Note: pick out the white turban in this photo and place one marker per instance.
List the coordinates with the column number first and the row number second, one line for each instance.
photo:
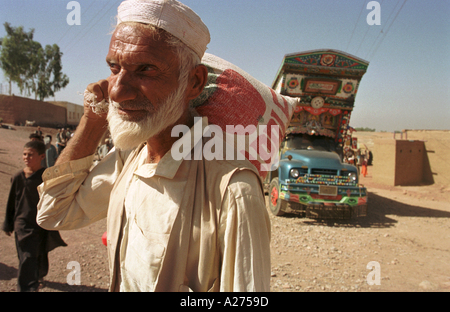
column 170, row 15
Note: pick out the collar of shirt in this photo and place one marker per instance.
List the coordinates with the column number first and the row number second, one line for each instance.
column 168, row 166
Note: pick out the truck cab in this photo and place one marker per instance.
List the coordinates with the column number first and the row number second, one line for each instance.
column 311, row 177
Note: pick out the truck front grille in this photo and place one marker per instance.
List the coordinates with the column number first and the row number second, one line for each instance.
column 324, row 171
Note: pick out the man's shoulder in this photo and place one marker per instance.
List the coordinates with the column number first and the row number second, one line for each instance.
column 233, row 172
column 228, row 166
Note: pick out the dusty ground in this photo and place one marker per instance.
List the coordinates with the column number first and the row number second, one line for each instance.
column 407, row 232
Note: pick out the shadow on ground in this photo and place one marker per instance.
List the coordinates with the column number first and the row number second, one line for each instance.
column 378, row 211
column 9, row 273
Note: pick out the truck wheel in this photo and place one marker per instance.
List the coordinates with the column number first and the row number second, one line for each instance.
column 276, row 205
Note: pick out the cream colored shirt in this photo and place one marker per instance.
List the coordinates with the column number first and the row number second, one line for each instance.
column 227, row 244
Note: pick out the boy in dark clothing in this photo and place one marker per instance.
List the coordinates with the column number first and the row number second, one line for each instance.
column 32, row 242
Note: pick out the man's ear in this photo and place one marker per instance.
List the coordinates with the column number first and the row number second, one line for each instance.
column 197, row 81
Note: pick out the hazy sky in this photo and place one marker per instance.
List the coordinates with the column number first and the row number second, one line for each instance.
column 406, row 85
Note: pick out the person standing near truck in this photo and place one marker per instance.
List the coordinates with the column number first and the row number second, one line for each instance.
column 173, row 225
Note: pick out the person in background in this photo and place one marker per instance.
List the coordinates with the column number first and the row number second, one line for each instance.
column 50, row 153
column 36, row 137
column 39, row 132
column 32, row 242
column 60, row 141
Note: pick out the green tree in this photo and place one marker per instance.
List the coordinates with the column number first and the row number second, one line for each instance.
column 15, row 56
column 48, row 78
column 34, row 69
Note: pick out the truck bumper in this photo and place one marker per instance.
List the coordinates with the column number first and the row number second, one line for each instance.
column 335, row 211
column 350, row 202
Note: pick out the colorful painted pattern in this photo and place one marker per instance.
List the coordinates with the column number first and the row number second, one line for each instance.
column 304, row 198
column 322, row 179
column 330, row 59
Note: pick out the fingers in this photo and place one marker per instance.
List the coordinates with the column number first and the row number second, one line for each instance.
column 100, row 89
column 94, row 105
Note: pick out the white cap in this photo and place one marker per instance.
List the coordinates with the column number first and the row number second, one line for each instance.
column 170, row 15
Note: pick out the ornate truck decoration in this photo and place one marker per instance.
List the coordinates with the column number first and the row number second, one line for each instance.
column 311, row 177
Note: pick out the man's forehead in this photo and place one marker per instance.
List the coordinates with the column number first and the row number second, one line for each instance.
column 136, row 44
column 140, row 44
column 129, row 38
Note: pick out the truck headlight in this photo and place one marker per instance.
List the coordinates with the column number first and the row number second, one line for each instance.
column 353, row 176
column 294, row 173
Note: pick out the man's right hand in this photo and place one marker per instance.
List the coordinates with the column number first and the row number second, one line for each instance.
column 91, row 128
column 100, row 90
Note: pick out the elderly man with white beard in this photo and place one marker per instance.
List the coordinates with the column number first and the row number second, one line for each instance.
column 172, row 225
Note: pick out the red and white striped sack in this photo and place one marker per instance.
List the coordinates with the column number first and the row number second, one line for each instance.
column 246, row 110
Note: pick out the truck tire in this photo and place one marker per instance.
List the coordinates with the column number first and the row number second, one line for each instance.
column 277, row 206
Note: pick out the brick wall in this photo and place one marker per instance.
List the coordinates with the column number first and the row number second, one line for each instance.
column 16, row 110
column 409, row 162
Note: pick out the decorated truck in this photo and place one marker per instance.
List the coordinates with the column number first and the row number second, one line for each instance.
column 311, row 177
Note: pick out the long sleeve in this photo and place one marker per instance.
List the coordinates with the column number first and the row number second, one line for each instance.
column 73, row 196
column 245, row 237
column 8, row 224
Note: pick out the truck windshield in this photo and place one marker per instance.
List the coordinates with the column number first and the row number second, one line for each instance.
column 305, row 141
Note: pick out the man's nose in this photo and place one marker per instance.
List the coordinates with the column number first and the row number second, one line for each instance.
column 121, row 87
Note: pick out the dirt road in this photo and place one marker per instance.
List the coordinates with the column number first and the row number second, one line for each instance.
column 406, row 234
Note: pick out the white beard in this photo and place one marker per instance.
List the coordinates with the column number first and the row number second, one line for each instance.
column 127, row 135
